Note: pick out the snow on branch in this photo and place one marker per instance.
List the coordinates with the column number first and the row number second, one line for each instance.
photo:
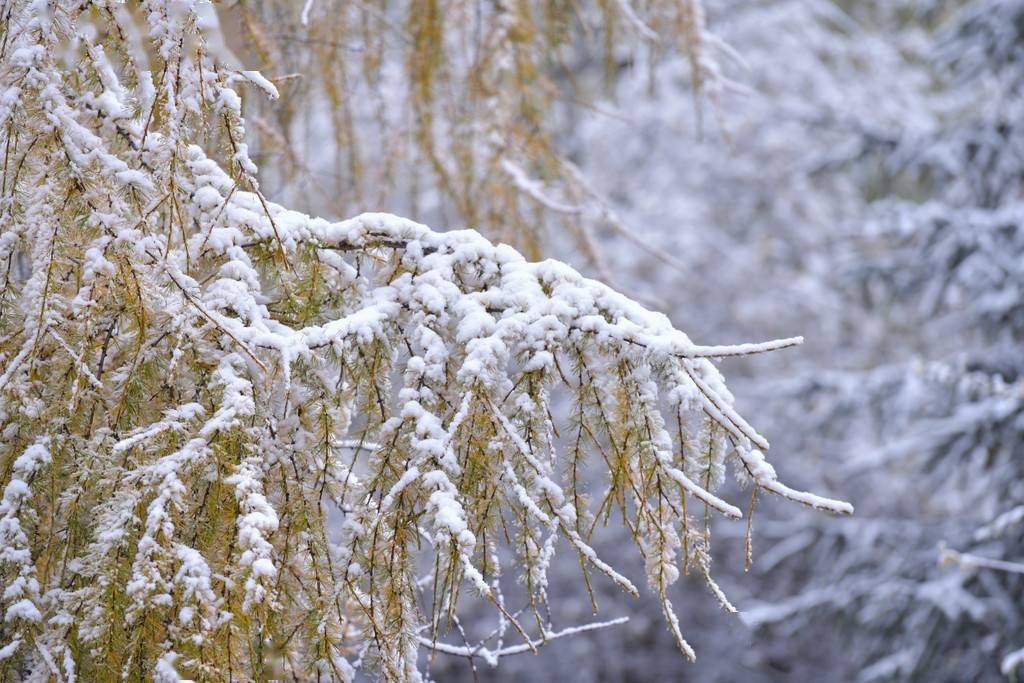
column 970, row 561
column 229, row 427
column 492, row 656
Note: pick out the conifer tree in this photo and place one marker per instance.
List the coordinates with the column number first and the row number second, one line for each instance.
column 241, row 442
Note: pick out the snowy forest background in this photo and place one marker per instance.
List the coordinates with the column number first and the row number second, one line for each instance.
column 849, row 171
column 853, row 174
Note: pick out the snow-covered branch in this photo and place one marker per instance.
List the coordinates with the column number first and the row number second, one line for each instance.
column 228, row 426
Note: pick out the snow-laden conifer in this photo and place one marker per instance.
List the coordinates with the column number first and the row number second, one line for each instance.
column 241, row 442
